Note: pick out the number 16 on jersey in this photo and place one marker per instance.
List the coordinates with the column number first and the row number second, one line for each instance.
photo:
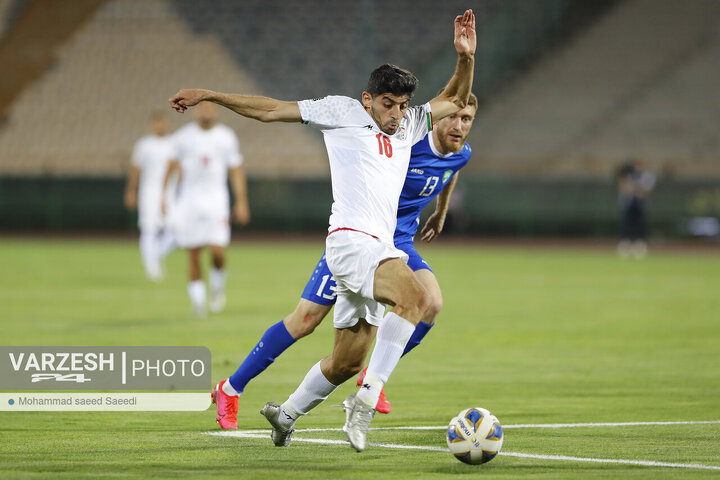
column 384, row 145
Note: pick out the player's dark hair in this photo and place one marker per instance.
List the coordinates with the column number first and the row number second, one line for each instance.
column 392, row 79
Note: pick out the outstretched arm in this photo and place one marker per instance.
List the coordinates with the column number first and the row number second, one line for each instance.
column 260, row 108
column 436, row 221
column 455, row 95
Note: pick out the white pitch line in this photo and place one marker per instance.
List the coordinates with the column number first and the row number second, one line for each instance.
column 505, row 427
column 643, row 463
column 325, row 441
column 616, row 424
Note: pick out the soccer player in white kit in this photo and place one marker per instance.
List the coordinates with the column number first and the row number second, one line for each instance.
column 143, row 190
column 368, row 148
column 207, row 155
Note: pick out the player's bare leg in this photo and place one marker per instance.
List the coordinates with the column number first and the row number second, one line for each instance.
column 351, row 347
column 427, row 279
column 305, row 318
column 217, row 279
column 196, row 287
column 349, row 352
column 395, row 284
column 429, row 282
column 383, row 404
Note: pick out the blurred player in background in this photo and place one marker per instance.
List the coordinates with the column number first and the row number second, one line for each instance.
column 635, row 183
column 368, row 147
column 207, row 155
column 143, row 191
column 432, row 172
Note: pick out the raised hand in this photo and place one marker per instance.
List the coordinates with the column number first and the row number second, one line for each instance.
column 465, row 40
column 241, row 213
column 187, row 98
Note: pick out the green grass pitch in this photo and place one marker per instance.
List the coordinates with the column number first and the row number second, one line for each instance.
column 537, row 336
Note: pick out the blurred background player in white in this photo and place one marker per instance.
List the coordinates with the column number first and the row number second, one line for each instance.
column 207, row 155
column 143, row 191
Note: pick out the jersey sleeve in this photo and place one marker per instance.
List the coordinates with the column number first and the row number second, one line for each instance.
column 233, row 155
column 419, row 122
column 326, row 113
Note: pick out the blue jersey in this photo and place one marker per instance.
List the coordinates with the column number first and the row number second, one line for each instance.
column 428, row 173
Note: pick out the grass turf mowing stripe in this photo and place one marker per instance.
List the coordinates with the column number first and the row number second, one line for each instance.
column 641, row 463
column 505, row 427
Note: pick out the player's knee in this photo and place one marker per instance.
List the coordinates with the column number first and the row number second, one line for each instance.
column 422, row 300
column 309, row 321
column 302, row 322
column 218, row 260
column 414, row 303
column 433, row 309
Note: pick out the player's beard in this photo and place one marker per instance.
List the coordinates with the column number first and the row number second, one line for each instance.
column 450, row 146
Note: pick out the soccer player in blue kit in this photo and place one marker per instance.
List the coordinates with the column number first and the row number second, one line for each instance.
column 432, row 173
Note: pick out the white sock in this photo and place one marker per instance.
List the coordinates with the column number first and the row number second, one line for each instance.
column 148, row 252
column 166, row 243
column 228, row 389
column 217, row 279
column 392, row 336
column 288, row 415
column 313, row 390
column 197, row 293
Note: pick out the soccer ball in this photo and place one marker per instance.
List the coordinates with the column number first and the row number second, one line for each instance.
column 474, row 436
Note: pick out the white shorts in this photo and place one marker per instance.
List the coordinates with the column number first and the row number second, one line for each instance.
column 352, row 258
column 195, row 230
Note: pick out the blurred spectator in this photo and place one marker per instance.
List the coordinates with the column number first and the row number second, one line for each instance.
column 635, row 183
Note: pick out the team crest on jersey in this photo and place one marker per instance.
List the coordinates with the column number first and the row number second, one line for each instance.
column 447, row 175
column 402, row 133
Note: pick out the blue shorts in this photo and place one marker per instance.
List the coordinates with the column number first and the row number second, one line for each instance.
column 322, row 289
column 415, row 261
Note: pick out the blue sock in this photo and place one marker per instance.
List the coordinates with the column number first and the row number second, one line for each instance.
column 421, row 330
column 274, row 342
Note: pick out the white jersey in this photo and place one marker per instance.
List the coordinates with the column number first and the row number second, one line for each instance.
column 151, row 155
column 204, row 157
column 368, row 167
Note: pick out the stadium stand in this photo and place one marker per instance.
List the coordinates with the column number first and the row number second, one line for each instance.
column 634, row 80
column 639, row 82
column 5, row 13
column 328, row 46
column 84, row 115
column 24, row 54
